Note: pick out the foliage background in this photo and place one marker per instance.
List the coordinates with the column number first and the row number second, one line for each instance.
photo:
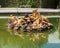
column 32, row 3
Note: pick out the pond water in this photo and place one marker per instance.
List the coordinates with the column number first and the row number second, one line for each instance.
column 45, row 39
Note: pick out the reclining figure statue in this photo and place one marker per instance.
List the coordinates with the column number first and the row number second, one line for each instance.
column 33, row 21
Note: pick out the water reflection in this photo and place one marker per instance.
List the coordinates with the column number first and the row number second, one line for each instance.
column 54, row 37
column 35, row 40
column 29, row 40
column 51, row 45
column 59, row 28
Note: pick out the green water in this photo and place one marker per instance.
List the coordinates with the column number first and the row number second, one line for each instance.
column 46, row 39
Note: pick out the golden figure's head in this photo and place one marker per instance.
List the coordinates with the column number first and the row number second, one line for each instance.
column 34, row 10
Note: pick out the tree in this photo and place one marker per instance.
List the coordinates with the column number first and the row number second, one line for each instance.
column 50, row 3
